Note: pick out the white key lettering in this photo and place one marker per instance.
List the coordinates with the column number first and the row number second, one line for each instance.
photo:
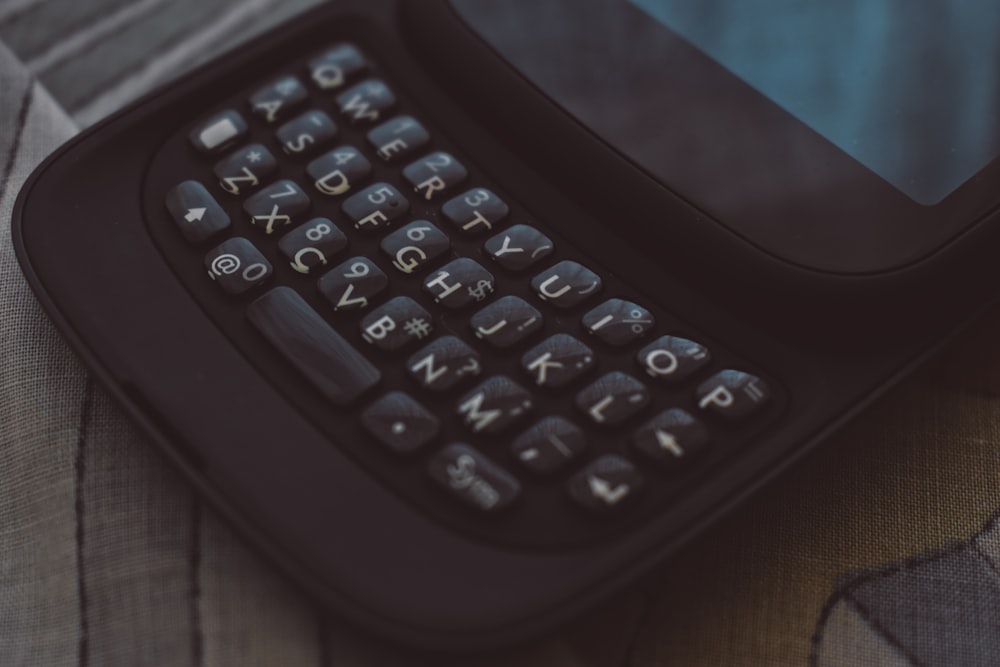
column 546, row 291
column 659, row 363
column 431, row 373
column 379, row 329
column 231, row 183
column 430, row 186
column 475, row 416
column 441, row 281
column 541, row 366
column 333, row 184
column 720, row 397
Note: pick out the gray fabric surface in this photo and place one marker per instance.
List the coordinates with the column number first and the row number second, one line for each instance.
column 41, row 402
column 96, row 56
column 106, row 557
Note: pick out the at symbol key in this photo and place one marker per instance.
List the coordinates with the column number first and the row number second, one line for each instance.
column 237, row 266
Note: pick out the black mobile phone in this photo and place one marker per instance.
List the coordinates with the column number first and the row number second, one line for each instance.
column 468, row 313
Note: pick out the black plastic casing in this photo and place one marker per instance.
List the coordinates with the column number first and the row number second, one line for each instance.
column 831, row 342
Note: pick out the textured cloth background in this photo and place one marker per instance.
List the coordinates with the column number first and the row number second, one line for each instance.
column 880, row 549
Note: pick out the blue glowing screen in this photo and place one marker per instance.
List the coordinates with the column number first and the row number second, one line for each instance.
column 909, row 88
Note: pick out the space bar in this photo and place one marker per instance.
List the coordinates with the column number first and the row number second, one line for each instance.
column 311, row 345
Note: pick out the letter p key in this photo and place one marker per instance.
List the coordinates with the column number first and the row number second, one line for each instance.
column 733, row 394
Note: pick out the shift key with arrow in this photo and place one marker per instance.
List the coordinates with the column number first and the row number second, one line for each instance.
column 196, row 213
column 671, row 439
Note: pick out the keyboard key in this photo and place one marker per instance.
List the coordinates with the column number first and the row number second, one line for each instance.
column 310, row 345
column 459, row 283
column 339, row 171
column 434, row 175
column 475, row 211
column 218, row 132
column 415, row 245
column 506, row 322
column 550, row 445
column 236, row 265
column 606, row 485
column 672, row 358
column 277, row 206
column 197, row 215
column 400, row 423
column 275, row 100
column 495, row 405
column 566, row 284
column 397, row 323
column 366, row 102
column 557, row 361
column 444, row 364
column 306, row 134
column 733, row 394
column 473, row 479
column 618, row 322
column 671, row 439
column 245, row 170
column 519, row 248
column 310, row 246
column 336, row 66
column 398, row 138
column 352, row 285
column 375, row 207
column 613, row 398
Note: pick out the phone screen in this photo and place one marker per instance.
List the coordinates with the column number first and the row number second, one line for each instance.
column 909, row 88
column 855, row 136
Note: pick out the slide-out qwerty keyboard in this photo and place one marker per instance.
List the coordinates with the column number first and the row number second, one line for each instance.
column 466, row 353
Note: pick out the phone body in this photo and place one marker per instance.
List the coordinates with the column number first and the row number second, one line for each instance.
column 398, row 541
